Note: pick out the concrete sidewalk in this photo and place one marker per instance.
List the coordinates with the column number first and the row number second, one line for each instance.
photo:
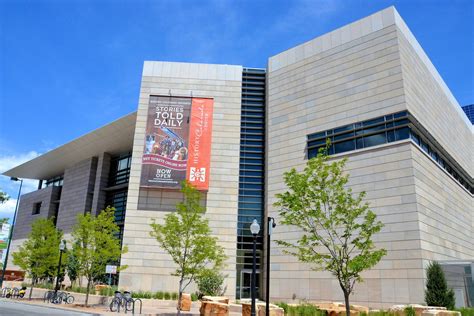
column 157, row 308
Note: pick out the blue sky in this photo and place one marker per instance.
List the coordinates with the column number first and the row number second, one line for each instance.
column 67, row 67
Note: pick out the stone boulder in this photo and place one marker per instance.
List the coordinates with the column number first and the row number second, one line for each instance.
column 438, row 312
column 186, row 302
column 212, row 308
column 219, row 299
column 399, row 310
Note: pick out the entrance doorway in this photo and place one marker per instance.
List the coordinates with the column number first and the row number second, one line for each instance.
column 246, row 283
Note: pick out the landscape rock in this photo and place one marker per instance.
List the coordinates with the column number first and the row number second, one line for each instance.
column 219, row 299
column 212, row 308
column 186, row 302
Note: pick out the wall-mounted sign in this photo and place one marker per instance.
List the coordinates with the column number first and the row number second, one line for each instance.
column 177, row 142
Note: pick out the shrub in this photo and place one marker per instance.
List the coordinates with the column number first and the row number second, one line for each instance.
column 305, row 310
column 167, row 296
column 437, row 292
column 142, row 294
column 210, row 282
column 158, row 295
column 174, row 296
column 108, row 291
column 78, row 289
column 410, row 311
column 283, row 305
column 194, row 297
column 466, row 311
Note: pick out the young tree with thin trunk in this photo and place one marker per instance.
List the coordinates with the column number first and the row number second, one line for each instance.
column 186, row 237
column 337, row 226
column 95, row 245
column 38, row 256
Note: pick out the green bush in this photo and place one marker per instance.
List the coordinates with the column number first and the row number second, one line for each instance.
column 79, row 289
column 158, row 295
column 167, row 296
column 108, row 291
column 283, row 305
column 142, row 294
column 410, row 311
column 174, row 296
column 305, row 310
column 210, row 282
column 195, row 297
column 466, row 311
column 437, row 292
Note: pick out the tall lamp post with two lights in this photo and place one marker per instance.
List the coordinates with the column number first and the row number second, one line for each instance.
column 62, row 248
column 254, row 229
column 10, row 235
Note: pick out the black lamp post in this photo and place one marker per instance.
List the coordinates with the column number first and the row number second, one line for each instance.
column 62, row 247
column 271, row 225
column 11, row 230
column 254, row 229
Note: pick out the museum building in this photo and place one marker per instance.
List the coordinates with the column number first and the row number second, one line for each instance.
column 233, row 131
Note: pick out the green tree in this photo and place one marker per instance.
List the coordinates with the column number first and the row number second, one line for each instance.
column 3, row 221
column 3, row 197
column 72, row 266
column 186, row 237
column 38, row 256
column 96, row 245
column 337, row 226
column 437, row 292
column 210, row 282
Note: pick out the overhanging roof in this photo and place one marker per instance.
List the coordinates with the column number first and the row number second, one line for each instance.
column 113, row 138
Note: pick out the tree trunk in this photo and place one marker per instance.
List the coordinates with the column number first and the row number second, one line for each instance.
column 87, row 291
column 180, row 294
column 31, row 291
column 346, row 299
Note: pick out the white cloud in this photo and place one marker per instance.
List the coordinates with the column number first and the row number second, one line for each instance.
column 8, row 162
column 7, row 209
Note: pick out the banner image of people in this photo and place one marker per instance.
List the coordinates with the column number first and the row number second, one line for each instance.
column 177, row 142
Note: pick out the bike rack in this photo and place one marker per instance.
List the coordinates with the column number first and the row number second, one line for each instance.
column 5, row 291
column 134, row 301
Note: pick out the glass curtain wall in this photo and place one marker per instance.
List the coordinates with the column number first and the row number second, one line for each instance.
column 251, row 180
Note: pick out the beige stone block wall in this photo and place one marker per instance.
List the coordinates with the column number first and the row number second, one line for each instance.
column 367, row 69
column 432, row 104
column 149, row 267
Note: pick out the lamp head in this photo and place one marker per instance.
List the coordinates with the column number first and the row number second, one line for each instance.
column 254, row 227
column 14, row 179
column 62, row 245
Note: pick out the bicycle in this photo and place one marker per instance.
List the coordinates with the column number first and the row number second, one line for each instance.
column 124, row 300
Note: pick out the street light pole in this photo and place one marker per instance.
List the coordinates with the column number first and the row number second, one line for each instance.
column 62, row 247
column 271, row 225
column 254, row 229
column 11, row 230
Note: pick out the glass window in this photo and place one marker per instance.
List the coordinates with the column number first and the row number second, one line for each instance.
column 400, row 114
column 374, row 140
column 344, row 128
column 344, row 136
column 402, row 133
column 390, row 136
column 373, row 121
column 36, row 208
column 344, row 146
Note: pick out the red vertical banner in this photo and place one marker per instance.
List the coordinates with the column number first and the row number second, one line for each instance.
column 200, row 133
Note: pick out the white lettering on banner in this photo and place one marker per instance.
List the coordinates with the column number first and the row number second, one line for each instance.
column 169, row 116
column 198, row 135
column 163, row 173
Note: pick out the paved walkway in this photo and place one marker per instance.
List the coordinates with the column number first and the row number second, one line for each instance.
column 16, row 308
column 19, row 307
